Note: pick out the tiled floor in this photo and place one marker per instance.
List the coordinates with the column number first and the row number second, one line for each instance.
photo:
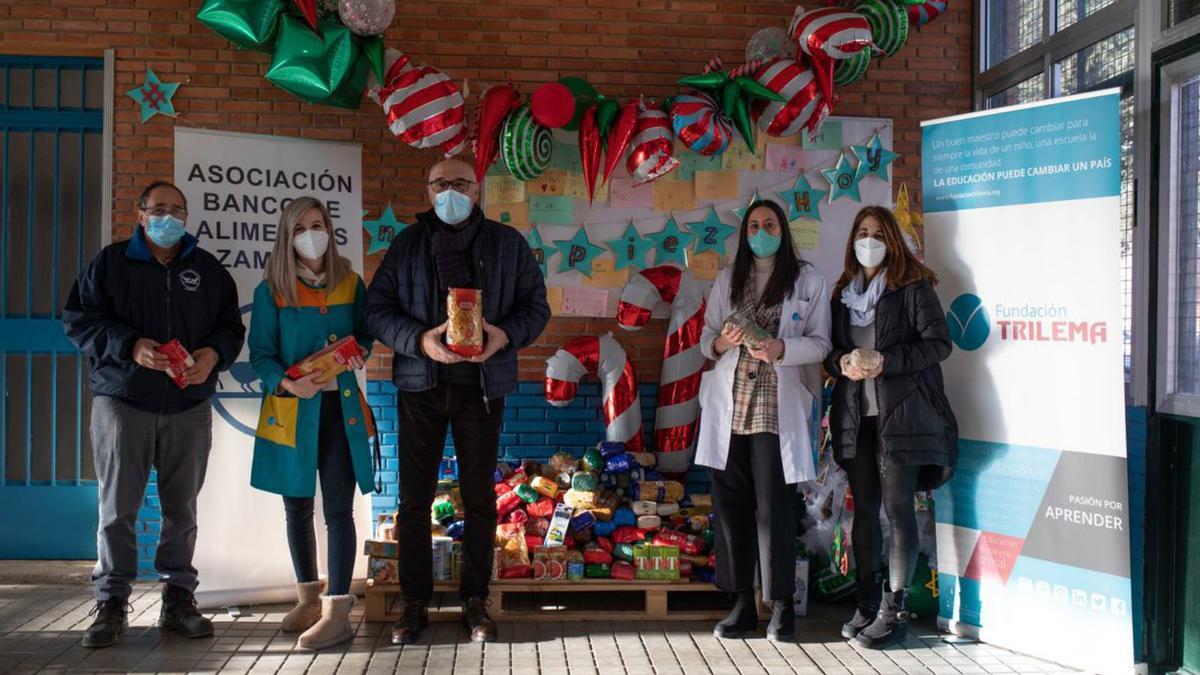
column 40, row 628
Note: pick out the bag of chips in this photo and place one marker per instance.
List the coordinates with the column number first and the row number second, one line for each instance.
column 464, row 309
column 514, row 551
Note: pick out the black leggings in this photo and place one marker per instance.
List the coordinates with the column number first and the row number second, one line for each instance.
column 894, row 490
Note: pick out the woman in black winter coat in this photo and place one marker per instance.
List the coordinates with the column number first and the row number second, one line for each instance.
column 892, row 427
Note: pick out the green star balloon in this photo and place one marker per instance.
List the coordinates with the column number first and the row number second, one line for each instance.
column 541, row 250
column 803, row 200
column 250, row 24
column 631, row 249
column 711, row 233
column 670, row 245
column 873, row 158
column 740, row 213
column 578, row 253
column 325, row 68
column 383, row 230
column 154, row 96
column 843, row 180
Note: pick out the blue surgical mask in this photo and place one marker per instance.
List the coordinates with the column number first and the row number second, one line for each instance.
column 764, row 244
column 452, row 206
column 165, row 230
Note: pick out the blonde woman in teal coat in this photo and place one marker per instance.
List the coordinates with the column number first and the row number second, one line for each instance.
column 308, row 428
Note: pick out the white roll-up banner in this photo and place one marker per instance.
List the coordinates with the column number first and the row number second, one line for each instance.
column 236, row 187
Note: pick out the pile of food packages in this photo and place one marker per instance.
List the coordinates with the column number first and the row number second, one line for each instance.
column 606, row 515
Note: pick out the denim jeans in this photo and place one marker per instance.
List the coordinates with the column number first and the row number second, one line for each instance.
column 336, row 471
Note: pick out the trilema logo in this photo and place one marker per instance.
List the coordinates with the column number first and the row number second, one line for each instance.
column 968, row 322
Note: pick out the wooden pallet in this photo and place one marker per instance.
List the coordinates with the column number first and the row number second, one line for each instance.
column 589, row 600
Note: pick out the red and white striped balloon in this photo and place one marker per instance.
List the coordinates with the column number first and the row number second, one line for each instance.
column 652, row 150
column 803, row 106
column 675, row 420
column 604, row 357
column 424, row 107
column 699, row 123
column 830, row 31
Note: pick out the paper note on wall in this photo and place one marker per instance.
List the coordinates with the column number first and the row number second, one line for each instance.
column 739, row 157
column 626, row 194
column 704, row 266
column 584, row 301
column 565, row 157
column 551, row 210
column 576, row 188
column 716, row 184
column 784, row 158
column 829, row 138
column 805, row 233
column 673, row 196
column 549, row 183
column 554, row 295
column 605, row 276
column 690, row 163
column 503, row 190
column 516, row 215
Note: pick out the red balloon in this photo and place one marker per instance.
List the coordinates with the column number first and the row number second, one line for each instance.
column 552, row 105
column 620, row 137
column 309, row 9
column 494, row 105
column 589, row 149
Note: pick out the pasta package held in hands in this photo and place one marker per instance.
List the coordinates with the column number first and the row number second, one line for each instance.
column 753, row 335
column 464, row 309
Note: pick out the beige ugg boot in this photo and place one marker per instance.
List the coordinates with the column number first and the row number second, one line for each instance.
column 307, row 610
column 334, row 626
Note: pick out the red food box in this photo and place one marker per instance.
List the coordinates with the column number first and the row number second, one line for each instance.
column 179, row 361
column 330, row 361
column 623, row 570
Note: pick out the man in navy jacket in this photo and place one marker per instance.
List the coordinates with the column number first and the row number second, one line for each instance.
column 452, row 246
column 132, row 298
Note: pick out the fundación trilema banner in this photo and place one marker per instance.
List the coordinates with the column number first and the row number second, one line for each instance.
column 236, row 187
column 1022, row 217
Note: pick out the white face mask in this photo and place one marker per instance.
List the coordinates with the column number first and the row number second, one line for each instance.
column 311, row 244
column 870, row 251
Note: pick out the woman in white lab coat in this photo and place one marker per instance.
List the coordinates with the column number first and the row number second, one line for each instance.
column 755, row 412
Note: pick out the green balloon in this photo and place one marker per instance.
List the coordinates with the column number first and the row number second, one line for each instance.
column 745, row 125
column 585, row 97
column 246, row 23
column 714, row 80
column 751, row 87
column 372, row 49
column 606, row 113
column 324, row 68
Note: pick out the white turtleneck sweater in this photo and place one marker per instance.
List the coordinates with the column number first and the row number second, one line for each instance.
column 762, row 274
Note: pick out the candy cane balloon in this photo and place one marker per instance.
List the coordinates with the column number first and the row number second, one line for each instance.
column 603, row 356
column 679, row 386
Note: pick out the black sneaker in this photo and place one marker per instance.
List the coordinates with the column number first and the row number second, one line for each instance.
column 475, row 616
column 414, row 618
column 111, row 621
column 179, row 613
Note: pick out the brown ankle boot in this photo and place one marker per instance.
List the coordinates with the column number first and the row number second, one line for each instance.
column 475, row 616
column 414, row 618
column 307, row 610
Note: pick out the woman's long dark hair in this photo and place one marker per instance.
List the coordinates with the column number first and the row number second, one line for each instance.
column 787, row 263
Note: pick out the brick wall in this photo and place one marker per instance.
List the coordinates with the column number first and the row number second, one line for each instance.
column 623, row 47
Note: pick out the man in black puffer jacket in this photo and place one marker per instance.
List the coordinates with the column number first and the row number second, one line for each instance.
column 133, row 297
column 452, row 246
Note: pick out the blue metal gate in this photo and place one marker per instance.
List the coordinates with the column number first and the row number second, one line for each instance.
column 51, row 177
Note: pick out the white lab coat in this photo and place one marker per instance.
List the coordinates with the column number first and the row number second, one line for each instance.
column 804, row 329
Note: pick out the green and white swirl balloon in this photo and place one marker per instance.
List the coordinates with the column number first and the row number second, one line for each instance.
column 525, row 145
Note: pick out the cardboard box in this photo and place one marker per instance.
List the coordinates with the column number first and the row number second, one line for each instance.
column 374, row 548
column 655, row 562
column 383, row 570
column 800, row 599
column 330, row 361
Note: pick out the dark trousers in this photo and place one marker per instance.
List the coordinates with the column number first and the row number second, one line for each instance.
column 127, row 443
column 756, row 520
column 336, row 471
column 475, row 427
column 894, row 489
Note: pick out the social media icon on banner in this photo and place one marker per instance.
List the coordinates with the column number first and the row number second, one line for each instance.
column 1025, row 584
column 1117, row 607
column 1061, row 593
column 1043, row 589
column 1079, row 597
column 1099, row 602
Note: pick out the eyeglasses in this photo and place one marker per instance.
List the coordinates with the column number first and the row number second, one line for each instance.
column 459, row 184
column 165, row 210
